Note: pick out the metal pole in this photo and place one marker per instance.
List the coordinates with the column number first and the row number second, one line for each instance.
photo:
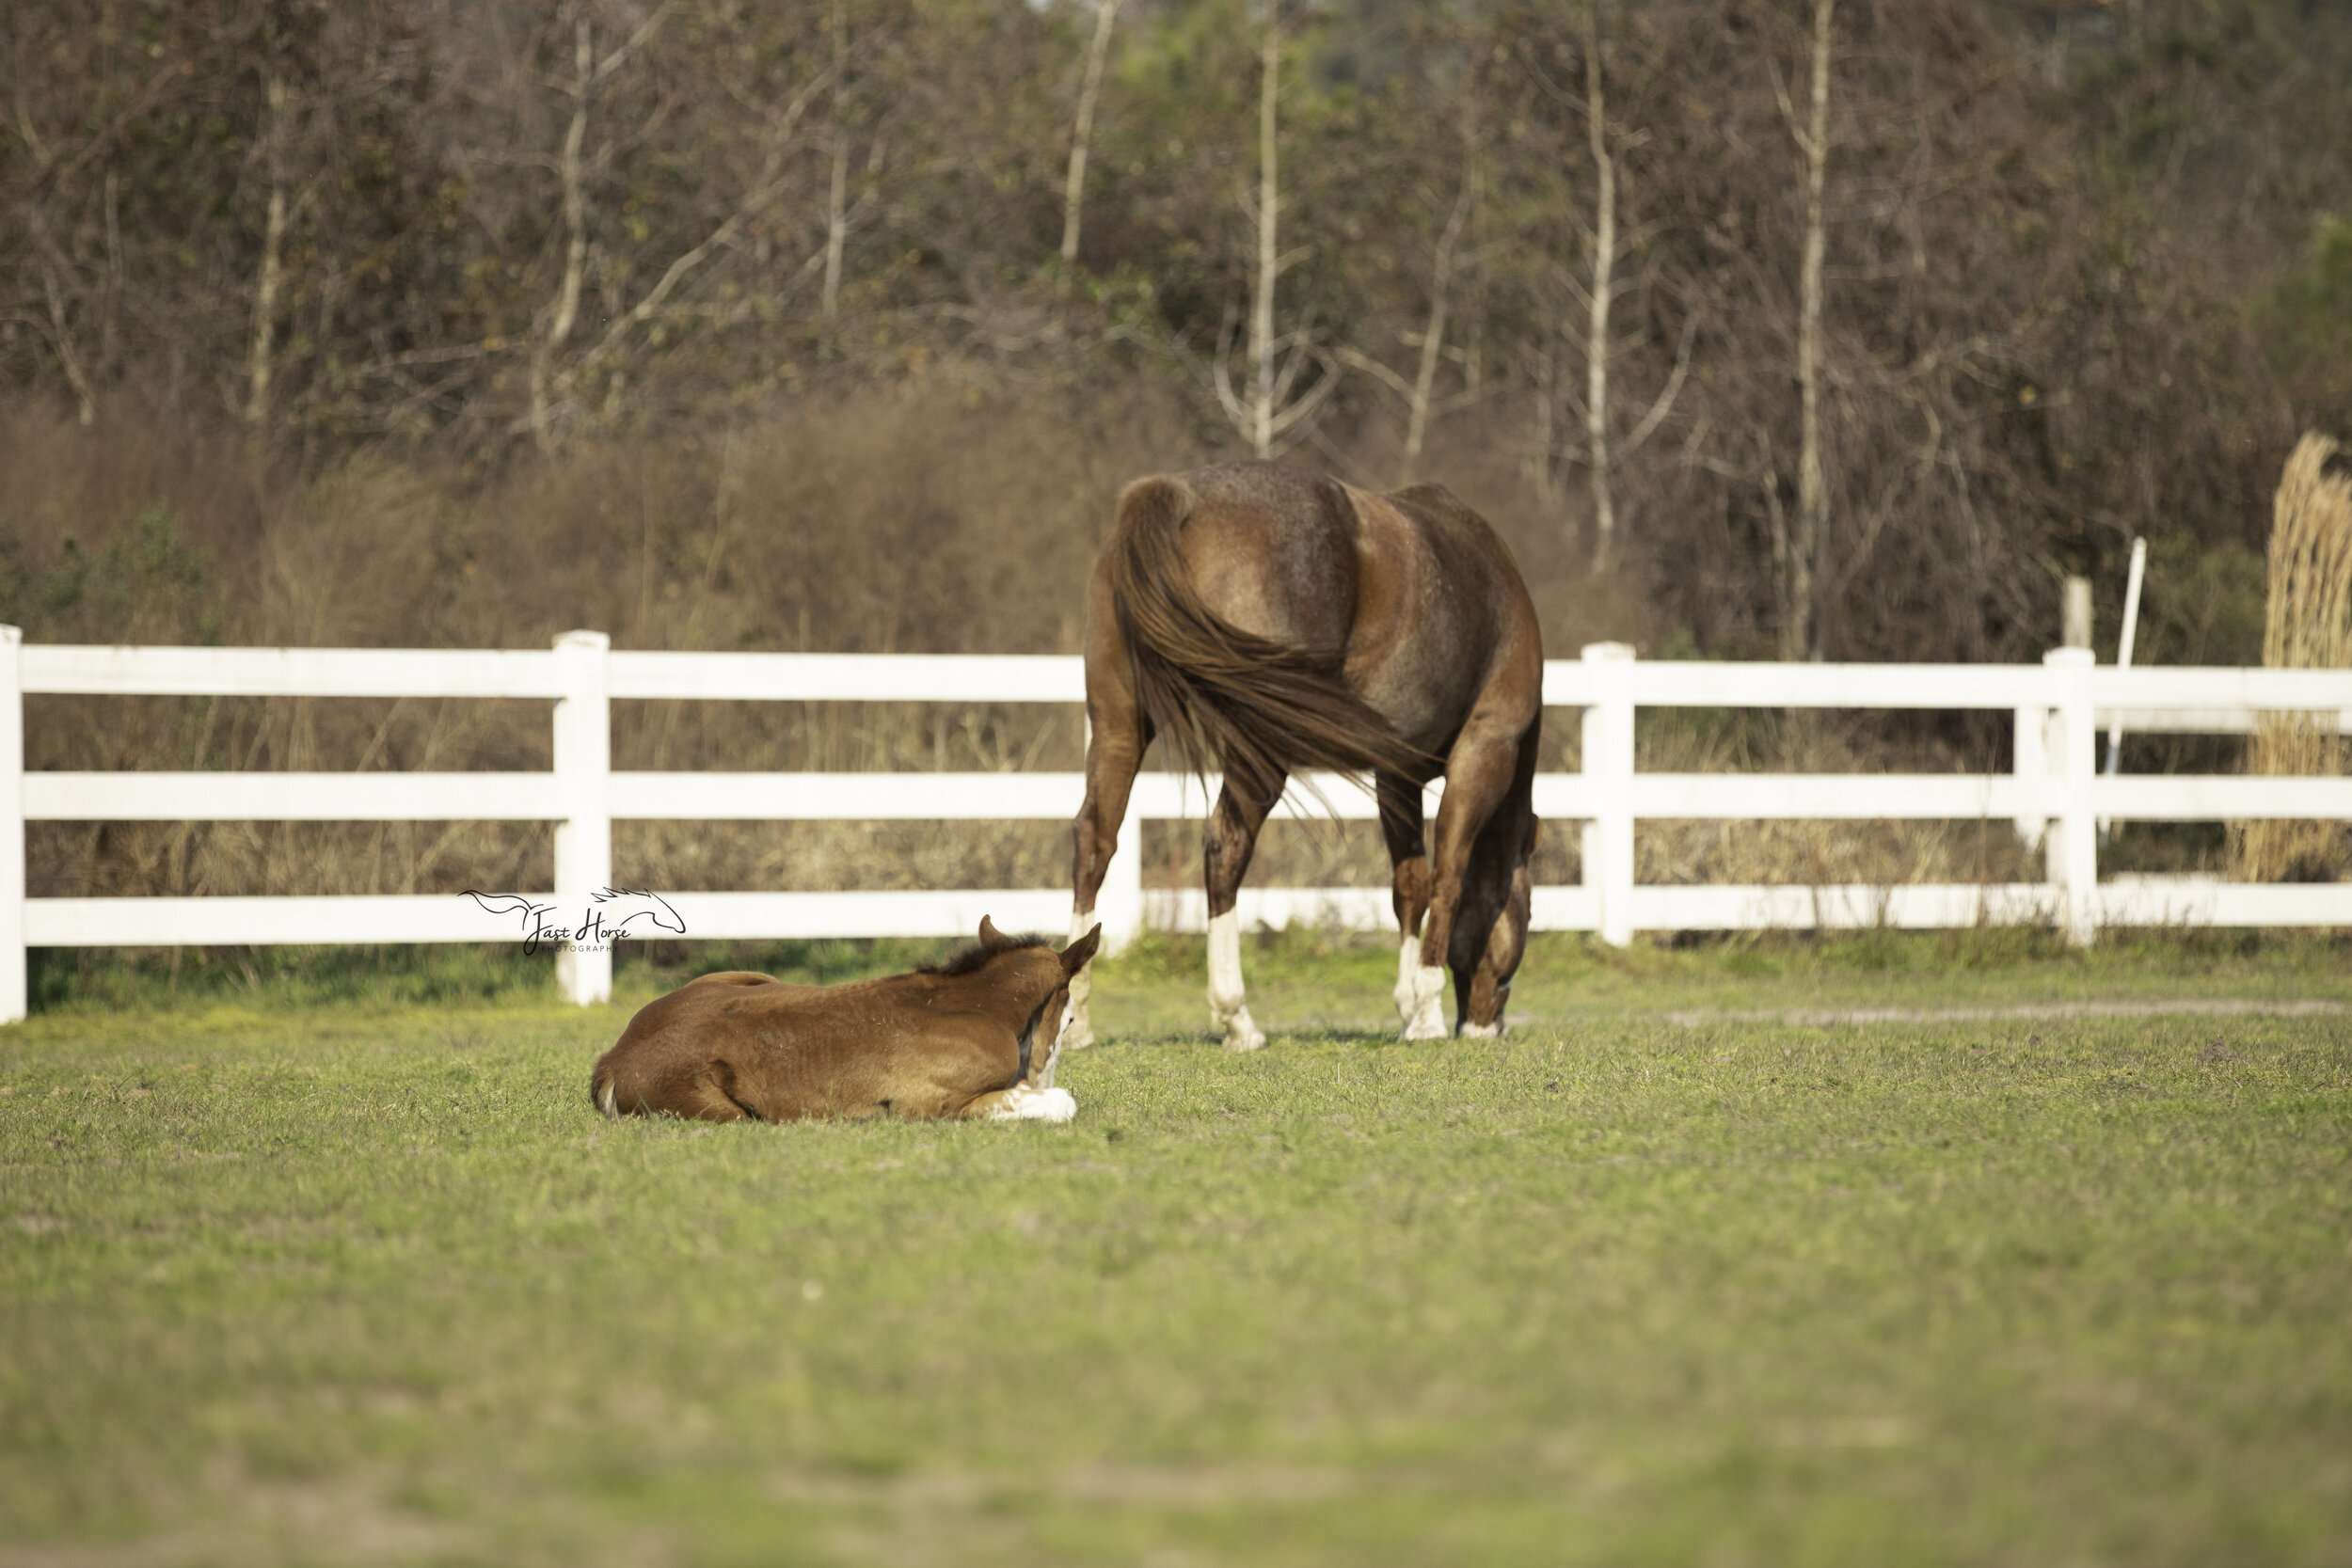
column 2123, row 658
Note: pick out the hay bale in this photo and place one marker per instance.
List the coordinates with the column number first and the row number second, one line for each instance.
column 2308, row 626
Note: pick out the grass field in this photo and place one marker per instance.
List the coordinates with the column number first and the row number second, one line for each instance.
column 1681, row 1271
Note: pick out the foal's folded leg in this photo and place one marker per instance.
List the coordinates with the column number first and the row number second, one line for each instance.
column 1022, row 1104
column 971, row 1086
column 713, row 1096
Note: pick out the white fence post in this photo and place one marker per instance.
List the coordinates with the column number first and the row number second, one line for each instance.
column 2074, row 845
column 2033, row 773
column 1609, row 764
column 584, row 836
column 13, row 1000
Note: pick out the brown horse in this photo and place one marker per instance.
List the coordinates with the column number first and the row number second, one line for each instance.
column 1276, row 620
column 975, row 1037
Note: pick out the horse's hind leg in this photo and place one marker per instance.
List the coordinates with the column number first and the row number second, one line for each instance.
column 1401, row 822
column 1227, row 844
column 1116, row 737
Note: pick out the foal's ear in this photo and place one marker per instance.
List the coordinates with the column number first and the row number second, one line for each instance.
column 1081, row 950
column 990, row 935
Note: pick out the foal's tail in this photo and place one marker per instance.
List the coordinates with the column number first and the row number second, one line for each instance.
column 1218, row 692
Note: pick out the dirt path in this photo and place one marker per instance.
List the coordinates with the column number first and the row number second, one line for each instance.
column 1819, row 1016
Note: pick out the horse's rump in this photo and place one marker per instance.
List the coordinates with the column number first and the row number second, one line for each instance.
column 1221, row 693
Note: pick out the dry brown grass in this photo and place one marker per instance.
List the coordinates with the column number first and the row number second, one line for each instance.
column 1818, row 854
column 2308, row 626
column 934, row 520
column 931, row 522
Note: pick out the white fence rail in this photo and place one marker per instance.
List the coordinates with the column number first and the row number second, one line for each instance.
column 2054, row 796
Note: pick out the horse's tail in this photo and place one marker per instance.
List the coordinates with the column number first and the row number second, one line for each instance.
column 1218, row 692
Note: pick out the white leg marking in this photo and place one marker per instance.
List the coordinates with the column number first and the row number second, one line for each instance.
column 1428, row 1019
column 1483, row 1031
column 1024, row 1103
column 1077, row 1028
column 1226, row 1003
column 1408, row 971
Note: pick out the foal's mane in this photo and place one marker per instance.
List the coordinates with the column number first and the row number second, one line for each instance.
column 977, row 956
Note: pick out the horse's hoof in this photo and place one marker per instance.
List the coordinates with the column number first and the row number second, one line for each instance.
column 1483, row 1031
column 1240, row 1040
column 1426, row 1022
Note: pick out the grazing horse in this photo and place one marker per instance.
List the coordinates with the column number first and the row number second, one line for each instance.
column 1274, row 621
column 975, row 1038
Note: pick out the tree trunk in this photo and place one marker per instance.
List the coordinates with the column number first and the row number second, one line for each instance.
column 1604, row 288
column 1802, row 632
column 836, row 221
column 1261, row 306
column 1432, row 338
column 576, row 237
column 62, row 336
column 1073, row 190
column 258, row 363
column 837, row 200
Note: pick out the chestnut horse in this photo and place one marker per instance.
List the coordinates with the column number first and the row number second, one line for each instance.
column 975, row 1037
column 1274, row 621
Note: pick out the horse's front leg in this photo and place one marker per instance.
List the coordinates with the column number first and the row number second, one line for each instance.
column 1490, row 933
column 1227, row 844
column 962, row 1080
column 1481, row 771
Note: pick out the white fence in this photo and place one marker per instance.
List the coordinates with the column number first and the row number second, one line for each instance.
column 2055, row 794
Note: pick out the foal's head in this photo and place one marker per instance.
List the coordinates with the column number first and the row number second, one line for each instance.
column 1035, row 982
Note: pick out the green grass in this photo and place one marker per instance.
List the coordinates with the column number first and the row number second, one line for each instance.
column 365, row 1280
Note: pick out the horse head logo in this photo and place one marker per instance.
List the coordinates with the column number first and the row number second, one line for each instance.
column 510, row 903
column 623, row 904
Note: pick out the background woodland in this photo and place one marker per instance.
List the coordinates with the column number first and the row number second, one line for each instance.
column 1812, row 328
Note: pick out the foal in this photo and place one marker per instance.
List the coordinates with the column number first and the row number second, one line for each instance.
column 975, row 1038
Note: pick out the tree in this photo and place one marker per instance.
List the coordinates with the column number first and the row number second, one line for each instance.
column 1797, row 553
column 1603, row 292
column 1271, row 411
column 1082, row 131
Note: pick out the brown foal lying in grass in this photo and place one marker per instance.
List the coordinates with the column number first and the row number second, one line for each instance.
column 973, row 1037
